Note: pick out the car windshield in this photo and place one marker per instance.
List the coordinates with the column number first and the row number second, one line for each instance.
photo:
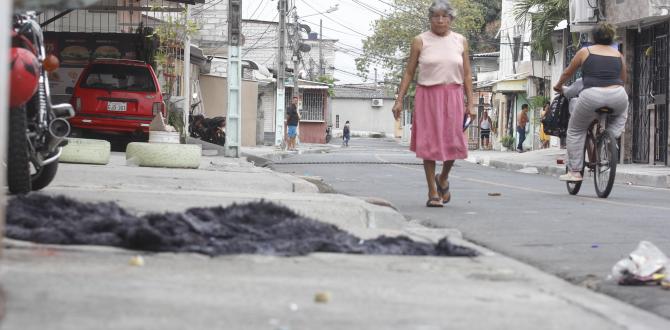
column 119, row 77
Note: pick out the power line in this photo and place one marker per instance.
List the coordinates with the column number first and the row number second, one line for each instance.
column 370, row 8
column 327, row 28
column 336, row 22
column 255, row 10
column 261, row 36
column 210, row 6
column 398, row 8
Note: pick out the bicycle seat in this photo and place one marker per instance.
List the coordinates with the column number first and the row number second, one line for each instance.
column 604, row 110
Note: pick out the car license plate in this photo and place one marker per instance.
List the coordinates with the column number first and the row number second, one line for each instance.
column 116, row 106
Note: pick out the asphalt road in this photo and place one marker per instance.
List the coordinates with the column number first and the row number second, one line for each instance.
column 534, row 219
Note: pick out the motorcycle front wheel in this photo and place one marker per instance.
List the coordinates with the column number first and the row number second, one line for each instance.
column 18, row 166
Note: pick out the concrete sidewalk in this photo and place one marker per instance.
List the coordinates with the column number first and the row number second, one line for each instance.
column 89, row 287
column 546, row 161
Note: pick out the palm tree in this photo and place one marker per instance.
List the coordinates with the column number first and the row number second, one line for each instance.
column 544, row 16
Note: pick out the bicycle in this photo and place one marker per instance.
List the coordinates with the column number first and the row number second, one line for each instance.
column 600, row 156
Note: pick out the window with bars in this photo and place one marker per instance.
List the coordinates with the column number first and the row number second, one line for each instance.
column 312, row 105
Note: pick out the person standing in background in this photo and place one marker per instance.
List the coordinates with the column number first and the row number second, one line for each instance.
column 292, row 121
column 521, row 122
column 346, row 134
column 544, row 138
column 485, row 129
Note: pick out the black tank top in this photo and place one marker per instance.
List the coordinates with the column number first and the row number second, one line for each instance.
column 601, row 70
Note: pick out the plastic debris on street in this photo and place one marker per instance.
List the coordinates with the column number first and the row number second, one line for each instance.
column 645, row 265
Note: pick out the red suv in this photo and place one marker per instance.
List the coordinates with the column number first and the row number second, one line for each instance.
column 116, row 96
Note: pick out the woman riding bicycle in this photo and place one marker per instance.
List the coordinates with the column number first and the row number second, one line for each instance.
column 603, row 79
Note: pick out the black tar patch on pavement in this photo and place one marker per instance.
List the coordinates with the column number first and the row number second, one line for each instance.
column 253, row 228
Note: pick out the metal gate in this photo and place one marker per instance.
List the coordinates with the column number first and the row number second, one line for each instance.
column 660, row 90
column 650, row 95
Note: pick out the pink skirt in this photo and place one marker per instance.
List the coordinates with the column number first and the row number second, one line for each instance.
column 437, row 126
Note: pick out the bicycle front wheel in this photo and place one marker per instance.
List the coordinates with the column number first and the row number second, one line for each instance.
column 606, row 160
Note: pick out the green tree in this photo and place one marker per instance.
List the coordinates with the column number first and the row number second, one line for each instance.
column 544, row 15
column 330, row 81
column 389, row 45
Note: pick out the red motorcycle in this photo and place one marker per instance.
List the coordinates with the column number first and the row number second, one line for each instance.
column 37, row 128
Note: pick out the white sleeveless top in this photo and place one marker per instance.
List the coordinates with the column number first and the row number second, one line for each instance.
column 485, row 124
column 441, row 59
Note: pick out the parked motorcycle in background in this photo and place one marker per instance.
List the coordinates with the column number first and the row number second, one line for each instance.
column 212, row 130
column 37, row 129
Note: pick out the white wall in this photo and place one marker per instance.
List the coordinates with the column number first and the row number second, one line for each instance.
column 311, row 58
column 363, row 116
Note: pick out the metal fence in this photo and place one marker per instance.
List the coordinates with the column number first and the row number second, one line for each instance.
column 111, row 16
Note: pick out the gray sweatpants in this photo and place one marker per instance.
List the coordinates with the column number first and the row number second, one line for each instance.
column 582, row 114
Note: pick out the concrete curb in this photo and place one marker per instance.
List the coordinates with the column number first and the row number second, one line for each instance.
column 622, row 177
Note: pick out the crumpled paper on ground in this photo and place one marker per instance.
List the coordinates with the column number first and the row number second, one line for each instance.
column 645, row 265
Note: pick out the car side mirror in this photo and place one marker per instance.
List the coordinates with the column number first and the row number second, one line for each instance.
column 69, row 90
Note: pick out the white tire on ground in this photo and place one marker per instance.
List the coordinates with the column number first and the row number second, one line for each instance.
column 164, row 155
column 86, row 151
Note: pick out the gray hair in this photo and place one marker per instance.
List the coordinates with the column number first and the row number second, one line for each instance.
column 441, row 5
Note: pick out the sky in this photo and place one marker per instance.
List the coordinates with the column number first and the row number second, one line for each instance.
column 349, row 24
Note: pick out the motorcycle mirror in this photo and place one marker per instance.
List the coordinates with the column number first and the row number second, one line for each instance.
column 51, row 63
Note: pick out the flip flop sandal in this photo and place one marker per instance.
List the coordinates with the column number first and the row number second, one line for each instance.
column 434, row 202
column 442, row 191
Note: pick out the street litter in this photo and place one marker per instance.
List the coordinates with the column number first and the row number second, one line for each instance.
column 136, row 261
column 529, row 170
column 251, row 228
column 494, row 194
column 322, row 297
column 645, row 265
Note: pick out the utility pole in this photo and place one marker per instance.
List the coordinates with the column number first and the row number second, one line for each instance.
column 187, row 75
column 234, row 118
column 375, row 78
column 296, row 63
column 281, row 72
column 321, row 73
column 296, row 54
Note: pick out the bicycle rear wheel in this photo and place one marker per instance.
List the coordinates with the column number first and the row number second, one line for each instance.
column 606, row 160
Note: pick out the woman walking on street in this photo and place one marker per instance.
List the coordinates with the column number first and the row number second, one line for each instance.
column 441, row 56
